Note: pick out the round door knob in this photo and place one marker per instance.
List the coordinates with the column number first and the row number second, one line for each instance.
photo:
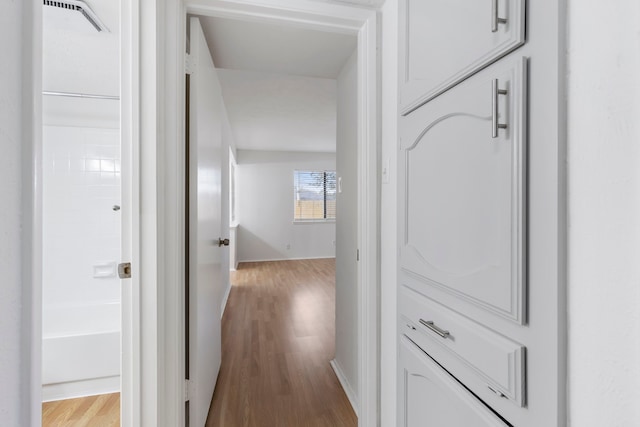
column 223, row 242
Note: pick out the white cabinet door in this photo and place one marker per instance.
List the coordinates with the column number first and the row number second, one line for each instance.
column 462, row 203
column 430, row 397
column 445, row 41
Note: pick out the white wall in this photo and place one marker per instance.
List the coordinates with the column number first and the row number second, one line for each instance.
column 388, row 215
column 265, row 207
column 12, row 394
column 346, row 353
column 604, row 213
column 280, row 112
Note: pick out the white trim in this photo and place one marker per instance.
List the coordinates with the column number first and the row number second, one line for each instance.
column 131, row 349
column 171, row 115
column 303, row 13
column 225, row 298
column 81, row 388
column 285, row 259
column 31, row 316
column 342, row 379
column 162, row 41
column 368, row 230
column 313, row 221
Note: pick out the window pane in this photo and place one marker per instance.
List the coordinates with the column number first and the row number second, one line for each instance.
column 314, row 195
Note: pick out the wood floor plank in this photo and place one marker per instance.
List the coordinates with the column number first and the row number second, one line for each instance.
column 278, row 336
column 92, row 411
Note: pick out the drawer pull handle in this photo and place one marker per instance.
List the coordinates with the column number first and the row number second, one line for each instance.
column 429, row 324
column 495, row 92
column 495, row 19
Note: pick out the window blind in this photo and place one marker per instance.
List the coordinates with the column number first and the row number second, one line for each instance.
column 314, row 195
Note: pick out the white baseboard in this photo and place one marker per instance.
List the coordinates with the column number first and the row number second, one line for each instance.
column 83, row 388
column 225, row 298
column 285, row 259
column 345, row 385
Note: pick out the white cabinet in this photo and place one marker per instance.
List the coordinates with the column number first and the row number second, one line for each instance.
column 430, row 397
column 481, row 213
column 443, row 42
column 462, row 194
column 489, row 364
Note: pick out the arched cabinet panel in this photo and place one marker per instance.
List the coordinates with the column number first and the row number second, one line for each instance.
column 462, row 208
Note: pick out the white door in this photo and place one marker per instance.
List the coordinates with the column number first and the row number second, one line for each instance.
column 429, row 396
column 461, row 210
column 443, row 42
column 205, row 219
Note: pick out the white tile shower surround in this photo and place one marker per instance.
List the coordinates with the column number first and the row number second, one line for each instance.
column 81, row 181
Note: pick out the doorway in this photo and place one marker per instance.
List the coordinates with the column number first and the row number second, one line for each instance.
column 343, row 20
column 291, row 102
column 81, row 213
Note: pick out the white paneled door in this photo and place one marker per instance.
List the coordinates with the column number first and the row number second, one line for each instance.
column 205, row 227
column 429, row 396
column 462, row 205
column 443, row 42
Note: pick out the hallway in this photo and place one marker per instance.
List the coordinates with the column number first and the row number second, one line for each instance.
column 277, row 341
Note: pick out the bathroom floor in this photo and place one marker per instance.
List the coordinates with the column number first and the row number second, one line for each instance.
column 102, row 410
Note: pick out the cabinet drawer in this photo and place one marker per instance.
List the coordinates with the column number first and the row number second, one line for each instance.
column 443, row 42
column 485, row 361
column 429, row 396
column 462, row 169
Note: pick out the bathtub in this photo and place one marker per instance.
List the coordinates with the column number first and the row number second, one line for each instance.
column 80, row 351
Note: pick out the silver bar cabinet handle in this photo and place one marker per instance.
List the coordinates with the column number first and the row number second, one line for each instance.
column 495, row 20
column 429, row 324
column 495, row 92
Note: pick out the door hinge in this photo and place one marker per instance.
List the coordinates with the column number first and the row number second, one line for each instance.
column 124, row 270
column 188, row 390
column 189, row 65
column 357, row 254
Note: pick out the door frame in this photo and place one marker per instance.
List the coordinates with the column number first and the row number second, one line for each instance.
column 130, row 125
column 132, row 187
column 158, row 30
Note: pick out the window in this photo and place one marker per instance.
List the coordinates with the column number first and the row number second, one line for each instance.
column 314, row 195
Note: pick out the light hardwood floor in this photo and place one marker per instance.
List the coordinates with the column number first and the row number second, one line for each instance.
column 277, row 340
column 92, row 411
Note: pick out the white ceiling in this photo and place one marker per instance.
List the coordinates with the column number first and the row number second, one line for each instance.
column 280, row 112
column 77, row 58
column 253, row 46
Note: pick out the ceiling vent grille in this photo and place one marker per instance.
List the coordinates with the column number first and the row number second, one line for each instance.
column 79, row 6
